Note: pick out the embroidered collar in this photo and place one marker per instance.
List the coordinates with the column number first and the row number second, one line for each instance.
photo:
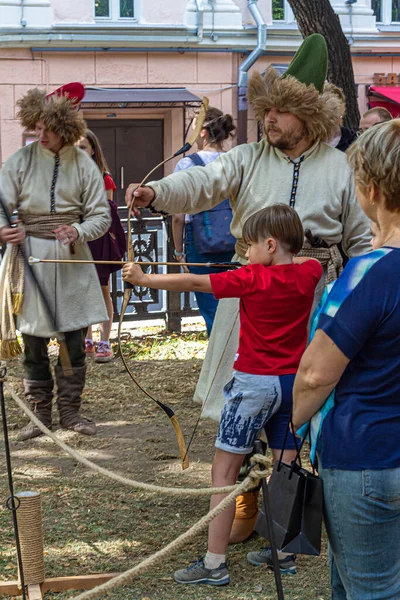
column 49, row 154
column 304, row 156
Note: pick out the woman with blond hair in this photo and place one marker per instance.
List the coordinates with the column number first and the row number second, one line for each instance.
column 355, row 353
column 111, row 246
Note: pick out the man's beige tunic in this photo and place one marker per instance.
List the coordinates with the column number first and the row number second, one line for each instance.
column 255, row 176
column 73, row 291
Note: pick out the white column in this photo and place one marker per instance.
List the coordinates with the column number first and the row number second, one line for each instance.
column 28, row 14
column 216, row 14
column 355, row 18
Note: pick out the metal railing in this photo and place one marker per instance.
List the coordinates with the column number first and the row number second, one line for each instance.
column 152, row 242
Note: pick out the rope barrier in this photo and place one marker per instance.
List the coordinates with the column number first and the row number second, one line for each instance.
column 145, row 487
column 126, row 577
column 251, row 481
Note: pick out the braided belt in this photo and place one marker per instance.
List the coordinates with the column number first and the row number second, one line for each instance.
column 330, row 258
column 42, row 226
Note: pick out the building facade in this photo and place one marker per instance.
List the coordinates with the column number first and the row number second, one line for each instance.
column 147, row 63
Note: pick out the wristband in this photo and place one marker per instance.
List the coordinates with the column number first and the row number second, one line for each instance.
column 178, row 254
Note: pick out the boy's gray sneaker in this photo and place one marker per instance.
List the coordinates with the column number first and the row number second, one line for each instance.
column 197, row 573
column 263, row 558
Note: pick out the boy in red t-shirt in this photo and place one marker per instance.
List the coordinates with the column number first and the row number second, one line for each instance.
column 276, row 293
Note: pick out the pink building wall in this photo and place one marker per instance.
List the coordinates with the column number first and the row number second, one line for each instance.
column 210, row 74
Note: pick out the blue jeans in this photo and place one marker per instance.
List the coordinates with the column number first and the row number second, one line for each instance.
column 362, row 518
column 207, row 303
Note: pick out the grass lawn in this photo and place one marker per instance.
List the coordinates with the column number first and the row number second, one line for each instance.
column 94, row 525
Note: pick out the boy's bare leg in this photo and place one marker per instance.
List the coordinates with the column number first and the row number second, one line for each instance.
column 225, row 471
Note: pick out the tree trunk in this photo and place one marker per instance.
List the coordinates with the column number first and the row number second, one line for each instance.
column 318, row 16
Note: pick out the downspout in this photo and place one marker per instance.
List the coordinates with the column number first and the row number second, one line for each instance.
column 199, row 20
column 23, row 22
column 244, row 69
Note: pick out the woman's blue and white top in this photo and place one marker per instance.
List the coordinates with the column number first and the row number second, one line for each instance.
column 358, row 426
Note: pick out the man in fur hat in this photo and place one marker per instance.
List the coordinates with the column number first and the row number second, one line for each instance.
column 292, row 165
column 59, row 194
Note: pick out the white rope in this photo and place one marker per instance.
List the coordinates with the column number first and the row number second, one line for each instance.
column 126, row 577
column 146, row 487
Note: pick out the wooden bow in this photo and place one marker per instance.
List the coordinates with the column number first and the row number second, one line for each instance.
column 128, row 288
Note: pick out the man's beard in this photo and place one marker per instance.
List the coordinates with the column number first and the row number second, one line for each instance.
column 288, row 140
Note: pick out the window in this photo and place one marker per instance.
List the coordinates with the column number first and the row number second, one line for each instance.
column 386, row 11
column 114, row 9
column 376, row 6
column 395, row 11
column 278, row 10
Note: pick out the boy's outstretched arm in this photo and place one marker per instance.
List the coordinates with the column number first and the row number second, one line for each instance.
column 179, row 282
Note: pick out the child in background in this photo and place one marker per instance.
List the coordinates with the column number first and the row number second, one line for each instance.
column 111, row 246
column 217, row 129
column 276, row 293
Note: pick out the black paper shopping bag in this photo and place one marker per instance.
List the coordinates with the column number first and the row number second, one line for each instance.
column 296, row 500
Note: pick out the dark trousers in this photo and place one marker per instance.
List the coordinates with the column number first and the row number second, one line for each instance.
column 36, row 358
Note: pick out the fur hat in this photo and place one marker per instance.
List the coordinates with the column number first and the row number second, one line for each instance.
column 300, row 91
column 58, row 111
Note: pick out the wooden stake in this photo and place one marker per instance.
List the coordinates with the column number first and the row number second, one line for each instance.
column 34, row 592
column 58, row 584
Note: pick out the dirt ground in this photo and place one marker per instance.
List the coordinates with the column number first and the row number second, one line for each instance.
column 94, row 525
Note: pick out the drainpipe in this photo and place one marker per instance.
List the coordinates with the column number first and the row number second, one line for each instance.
column 244, row 69
column 199, row 19
column 23, row 22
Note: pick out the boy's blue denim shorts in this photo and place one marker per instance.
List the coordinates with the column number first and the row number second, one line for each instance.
column 251, row 403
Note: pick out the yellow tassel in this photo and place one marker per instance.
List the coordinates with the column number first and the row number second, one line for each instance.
column 9, row 349
column 17, row 300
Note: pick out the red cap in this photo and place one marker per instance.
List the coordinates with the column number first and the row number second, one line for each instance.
column 75, row 92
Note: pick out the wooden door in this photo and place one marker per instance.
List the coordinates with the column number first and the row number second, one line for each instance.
column 132, row 148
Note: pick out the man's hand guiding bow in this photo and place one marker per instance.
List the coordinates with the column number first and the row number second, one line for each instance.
column 138, row 197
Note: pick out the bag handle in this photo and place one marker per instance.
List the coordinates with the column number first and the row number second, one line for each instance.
column 297, row 458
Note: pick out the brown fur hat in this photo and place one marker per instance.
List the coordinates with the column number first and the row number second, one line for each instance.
column 320, row 113
column 58, row 113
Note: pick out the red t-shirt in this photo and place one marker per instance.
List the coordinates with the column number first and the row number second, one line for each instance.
column 109, row 182
column 275, row 305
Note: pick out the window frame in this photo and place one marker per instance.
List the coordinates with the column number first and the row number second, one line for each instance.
column 381, row 20
column 386, row 14
column 284, row 13
column 115, row 15
column 391, row 11
column 288, row 15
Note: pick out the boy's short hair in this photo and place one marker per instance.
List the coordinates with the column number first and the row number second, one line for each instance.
column 278, row 221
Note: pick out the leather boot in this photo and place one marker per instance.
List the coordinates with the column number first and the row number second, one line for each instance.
column 39, row 395
column 245, row 517
column 70, row 388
